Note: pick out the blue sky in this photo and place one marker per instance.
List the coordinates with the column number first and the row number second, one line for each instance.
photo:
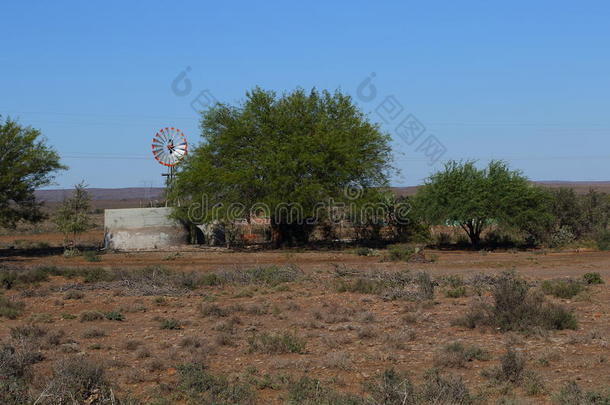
column 528, row 82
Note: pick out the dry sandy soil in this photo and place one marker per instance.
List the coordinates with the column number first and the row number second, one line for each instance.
column 349, row 337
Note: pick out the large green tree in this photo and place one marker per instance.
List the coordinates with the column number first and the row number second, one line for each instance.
column 476, row 199
column 284, row 154
column 26, row 163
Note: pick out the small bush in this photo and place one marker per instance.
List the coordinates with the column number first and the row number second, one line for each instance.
column 572, row 394
column 458, row 355
column 171, row 324
column 91, row 256
column 74, row 295
column 442, row 239
column 361, row 286
column 456, row 292
column 364, row 251
column 425, row 285
column 516, row 307
column 562, row 288
column 28, row 332
column 132, row 344
column 512, row 365
column 213, row 310
column 114, row 316
column 89, row 316
column 562, row 237
column 445, row 390
column 11, row 277
column 532, row 383
column 10, row 309
column 40, row 318
column 93, row 332
column 77, row 380
column 309, row 391
column 398, row 253
column 15, row 373
column 592, row 278
column 391, row 387
column 202, row 387
column 276, row 343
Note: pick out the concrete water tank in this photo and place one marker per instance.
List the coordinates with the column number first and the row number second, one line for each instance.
column 142, row 229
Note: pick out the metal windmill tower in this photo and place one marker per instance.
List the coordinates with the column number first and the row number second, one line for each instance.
column 169, row 147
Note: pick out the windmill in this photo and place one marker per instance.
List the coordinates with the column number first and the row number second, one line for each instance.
column 169, row 147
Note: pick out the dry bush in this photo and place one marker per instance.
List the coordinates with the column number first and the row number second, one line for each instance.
column 9, row 308
column 89, row 316
column 200, row 386
column 562, row 288
column 77, row 380
column 93, row 332
column 457, row 354
column 449, row 390
column 276, row 343
column 516, row 307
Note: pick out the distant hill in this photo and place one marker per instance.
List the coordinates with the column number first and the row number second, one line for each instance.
column 130, row 197
column 142, row 196
column 117, row 194
column 581, row 187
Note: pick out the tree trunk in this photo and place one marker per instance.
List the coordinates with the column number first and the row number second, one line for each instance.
column 289, row 234
column 473, row 229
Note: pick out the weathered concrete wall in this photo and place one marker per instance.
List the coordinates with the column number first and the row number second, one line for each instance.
column 142, row 229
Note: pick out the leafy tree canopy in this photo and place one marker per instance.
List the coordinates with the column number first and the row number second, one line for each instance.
column 298, row 148
column 26, row 163
column 475, row 199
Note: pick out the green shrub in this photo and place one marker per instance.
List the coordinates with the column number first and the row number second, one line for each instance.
column 361, row 286
column 200, row 386
column 572, row 394
column 592, row 278
column 91, row 256
column 28, row 332
column 442, row 239
column 210, row 279
column 276, row 343
column 425, row 285
column 364, row 251
column 94, row 332
column 309, row 391
column 562, row 237
column 73, row 295
column 391, row 387
column 602, row 239
column 15, row 373
column 171, row 324
column 456, row 292
column 114, row 316
column 89, row 316
column 11, row 277
column 439, row 389
column 400, row 253
column 10, row 309
column 562, row 288
column 512, row 365
column 77, row 380
column 516, row 307
column 457, row 354
column 213, row 310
